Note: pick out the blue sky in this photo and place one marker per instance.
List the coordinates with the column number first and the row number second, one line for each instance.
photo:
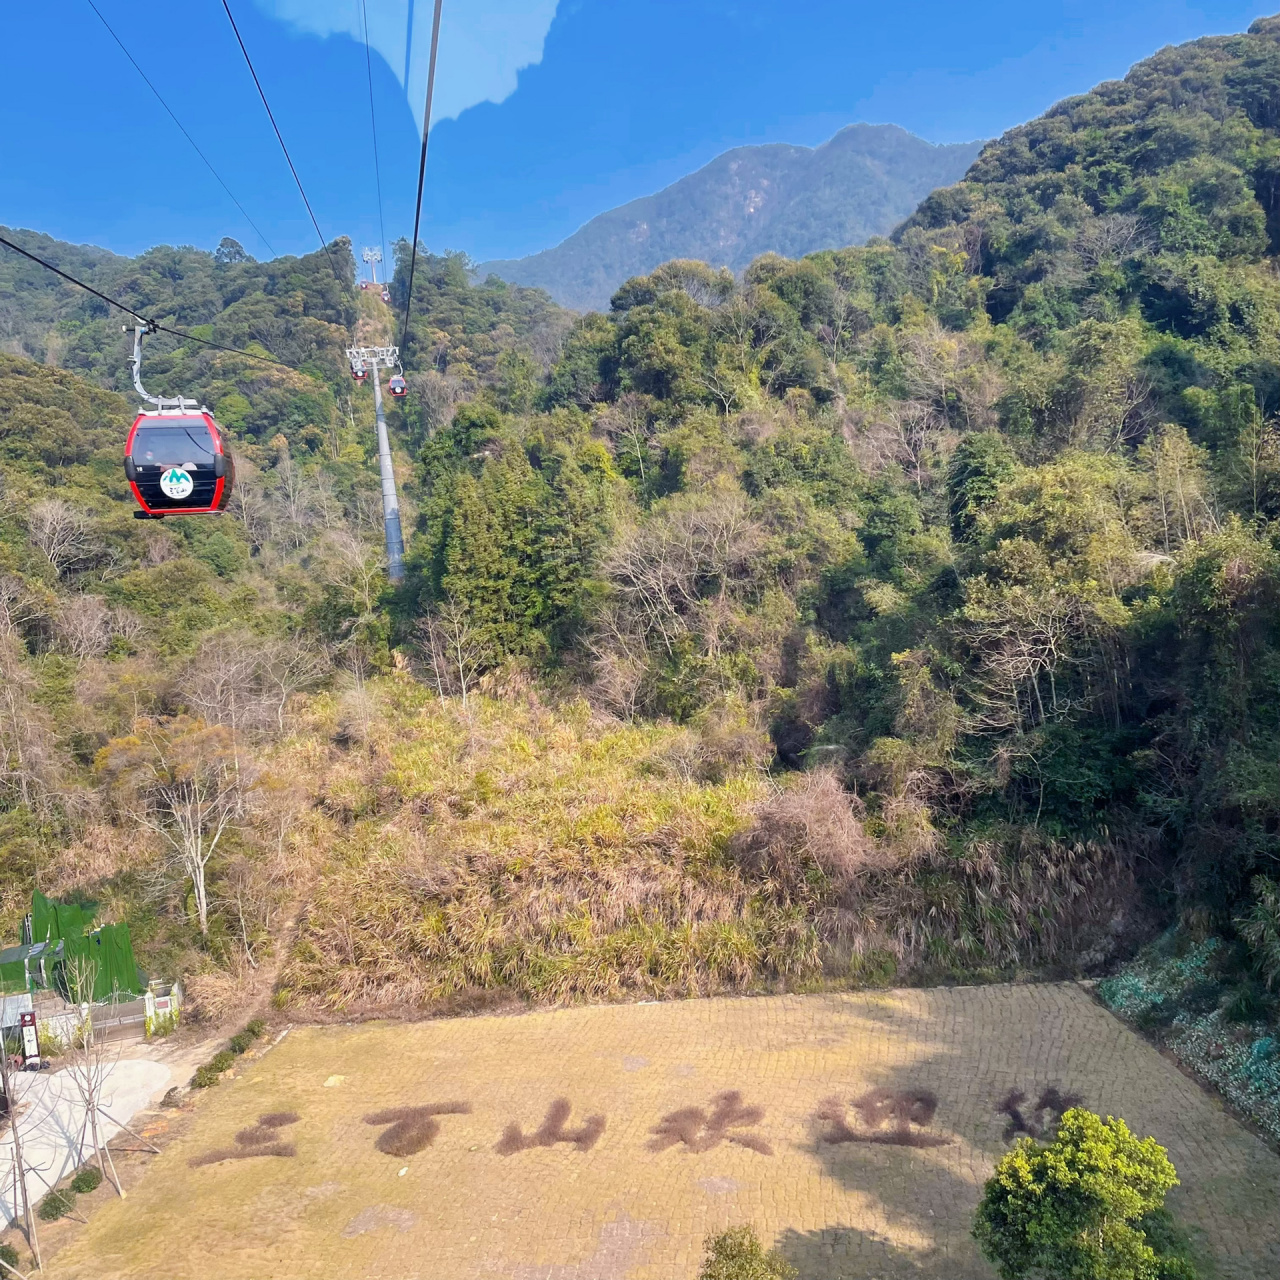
column 547, row 113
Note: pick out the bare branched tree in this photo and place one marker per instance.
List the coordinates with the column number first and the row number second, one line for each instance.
column 24, row 1121
column 90, row 1061
column 1116, row 236
column 546, row 340
column 186, row 782
column 63, row 533
column 287, row 665
column 220, row 687
column 1026, row 641
column 293, row 502
column 436, row 394
column 27, row 758
column 628, row 426
column 661, row 571
column 353, row 567
column 21, row 610
column 83, row 628
column 249, row 505
column 452, row 649
column 619, row 659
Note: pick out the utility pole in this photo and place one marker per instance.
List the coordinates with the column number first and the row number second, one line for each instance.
column 375, row 359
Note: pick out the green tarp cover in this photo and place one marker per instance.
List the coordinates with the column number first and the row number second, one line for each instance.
column 13, row 975
column 110, row 952
column 53, row 920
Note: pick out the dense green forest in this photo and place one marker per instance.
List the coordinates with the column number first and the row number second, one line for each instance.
column 905, row 609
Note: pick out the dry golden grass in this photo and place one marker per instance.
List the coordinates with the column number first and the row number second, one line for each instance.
column 517, row 849
column 548, row 853
column 605, row 1143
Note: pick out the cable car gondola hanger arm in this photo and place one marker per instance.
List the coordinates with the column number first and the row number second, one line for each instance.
column 163, row 403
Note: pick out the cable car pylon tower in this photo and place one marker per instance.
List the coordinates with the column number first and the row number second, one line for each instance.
column 370, row 360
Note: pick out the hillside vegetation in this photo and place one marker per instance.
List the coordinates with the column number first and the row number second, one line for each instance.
column 751, row 200
column 906, row 610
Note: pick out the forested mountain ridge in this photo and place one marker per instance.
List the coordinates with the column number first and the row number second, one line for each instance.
column 902, row 610
column 751, row 200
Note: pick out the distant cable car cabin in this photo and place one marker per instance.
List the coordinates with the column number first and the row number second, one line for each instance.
column 386, row 295
column 358, row 370
column 364, row 286
column 177, row 459
column 396, row 385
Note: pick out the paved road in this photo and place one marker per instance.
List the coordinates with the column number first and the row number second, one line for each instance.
column 51, row 1119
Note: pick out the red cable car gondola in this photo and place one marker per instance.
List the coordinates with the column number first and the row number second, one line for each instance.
column 396, row 385
column 176, row 458
column 386, row 295
column 178, row 463
column 358, row 371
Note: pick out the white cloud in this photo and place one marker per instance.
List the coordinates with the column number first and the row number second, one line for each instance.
column 483, row 43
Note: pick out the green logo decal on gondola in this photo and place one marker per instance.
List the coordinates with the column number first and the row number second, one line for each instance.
column 176, row 484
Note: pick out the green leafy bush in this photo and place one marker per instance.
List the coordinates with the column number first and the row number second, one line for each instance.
column 737, row 1254
column 211, row 1071
column 241, row 1041
column 88, row 1178
column 1076, row 1206
column 1260, row 928
column 163, row 1024
column 57, row 1204
column 9, row 1256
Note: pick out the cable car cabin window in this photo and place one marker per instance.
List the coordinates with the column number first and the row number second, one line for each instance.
column 173, row 444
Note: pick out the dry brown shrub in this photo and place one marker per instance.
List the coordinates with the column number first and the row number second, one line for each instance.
column 513, row 681
column 812, row 823
column 222, row 995
column 278, row 1119
column 553, row 1129
column 284, row 1149
column 412, row 1129
column 101, row 853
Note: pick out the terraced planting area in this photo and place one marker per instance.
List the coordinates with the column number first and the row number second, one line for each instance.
column 604, row 1143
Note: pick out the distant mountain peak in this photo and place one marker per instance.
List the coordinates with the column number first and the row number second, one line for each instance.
column 777, row 197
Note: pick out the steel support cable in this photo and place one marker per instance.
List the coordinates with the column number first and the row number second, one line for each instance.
column 373, row 125
column 153, row 326
column 422, row 170
column 280, row 139
column 208, row 165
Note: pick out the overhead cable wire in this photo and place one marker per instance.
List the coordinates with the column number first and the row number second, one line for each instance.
column 280, row 139
column 182, row 128
column 153, row 326
column 422, row 168
column 373, row 124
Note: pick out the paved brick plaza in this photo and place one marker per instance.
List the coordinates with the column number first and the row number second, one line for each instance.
column 500, row 1188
